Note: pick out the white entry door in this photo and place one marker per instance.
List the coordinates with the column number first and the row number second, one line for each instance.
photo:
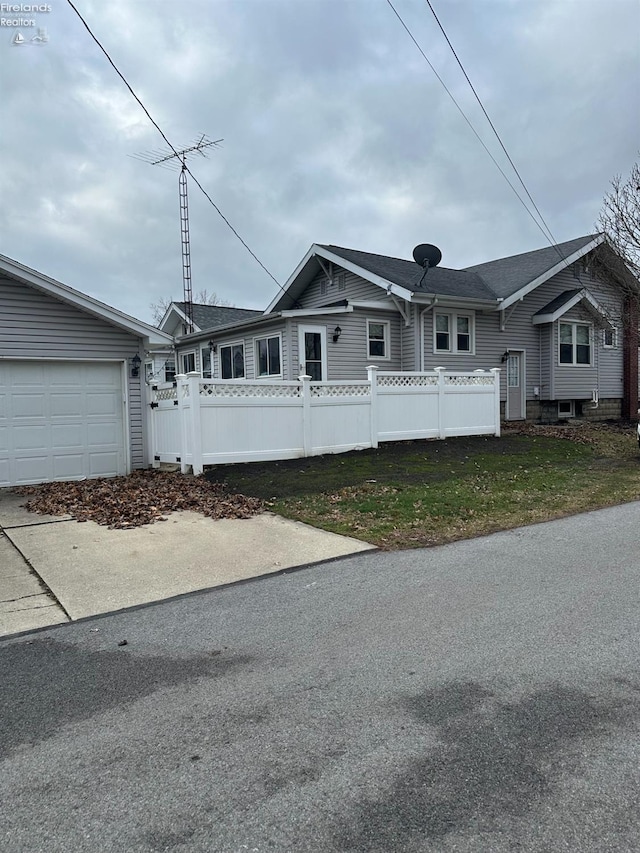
column 60, row 421
column 312, row 349
column 516, row 384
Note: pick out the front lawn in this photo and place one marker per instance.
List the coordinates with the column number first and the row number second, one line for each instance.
column 418, row 493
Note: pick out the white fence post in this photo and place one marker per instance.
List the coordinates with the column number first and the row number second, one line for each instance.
column 439, row 371
column 306, row 414
column 182, row 389
column 196, row 422
column 496, row 393
column 152, row 429
column 372, row 373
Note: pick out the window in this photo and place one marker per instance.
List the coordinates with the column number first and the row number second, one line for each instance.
column 609, row 338
column 169, row 370
column 188, row 362
column 378, row 339
column 148, row 372
column 453, row 332
column 232, row 361
column 268, row 356
column 205, row 361
column 575, row 343
column 566, row 409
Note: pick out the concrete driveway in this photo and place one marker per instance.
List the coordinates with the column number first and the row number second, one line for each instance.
column 54, row 569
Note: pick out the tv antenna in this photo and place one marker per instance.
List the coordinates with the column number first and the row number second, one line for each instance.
column 170, row 159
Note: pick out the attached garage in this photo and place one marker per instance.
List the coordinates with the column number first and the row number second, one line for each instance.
column 72, row 399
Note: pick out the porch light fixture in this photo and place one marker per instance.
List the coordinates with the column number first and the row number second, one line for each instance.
column 135, row 365
column 212, row 347
column 336, row 334
column 505, row 356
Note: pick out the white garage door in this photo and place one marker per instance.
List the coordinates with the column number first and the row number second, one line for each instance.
column 60, row 421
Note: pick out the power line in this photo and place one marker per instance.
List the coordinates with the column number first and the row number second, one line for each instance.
column 464, row 116
column 491, row 124
column 176, row 153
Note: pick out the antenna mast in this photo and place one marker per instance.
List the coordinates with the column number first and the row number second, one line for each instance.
column 170, row 159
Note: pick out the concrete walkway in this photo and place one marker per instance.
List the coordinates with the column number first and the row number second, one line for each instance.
column 53, row 569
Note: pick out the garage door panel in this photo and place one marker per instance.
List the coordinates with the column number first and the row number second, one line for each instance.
column 28, row 405
column 99, row 434
column 66, row 436
column 30, row 438
column 60, row 421
column 106, row 403
column 66, row 405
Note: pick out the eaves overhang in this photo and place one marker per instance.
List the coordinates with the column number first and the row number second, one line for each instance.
column 589, row 303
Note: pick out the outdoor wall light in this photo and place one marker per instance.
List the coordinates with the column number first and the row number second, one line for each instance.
column 135, row 365
column 505, row 356
column 213, row 347
column 336, row 334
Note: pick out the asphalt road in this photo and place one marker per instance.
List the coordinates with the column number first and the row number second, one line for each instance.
column 483, row 696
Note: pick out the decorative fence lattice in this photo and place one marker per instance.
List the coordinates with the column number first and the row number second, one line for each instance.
column 213, row 421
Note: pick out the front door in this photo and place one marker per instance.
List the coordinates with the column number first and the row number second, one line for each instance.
column 312, row 349
column 516, row 405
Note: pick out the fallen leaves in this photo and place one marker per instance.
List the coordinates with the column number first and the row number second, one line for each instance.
column 143, row 497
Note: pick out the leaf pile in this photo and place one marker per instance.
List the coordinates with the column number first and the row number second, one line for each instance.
column 143, row 497
column 581, row 433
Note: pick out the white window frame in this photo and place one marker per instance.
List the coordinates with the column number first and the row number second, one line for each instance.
column 453, row 332
column 230, row 344
column 184, row 355
column 571, row 413
column 149, row 372
column 574, row 343
column 166, row 369
column 386, row 326
column 256, row 362
column 614, row 338
column 206, row 351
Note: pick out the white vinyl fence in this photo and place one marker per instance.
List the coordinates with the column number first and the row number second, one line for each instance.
column 202, row 422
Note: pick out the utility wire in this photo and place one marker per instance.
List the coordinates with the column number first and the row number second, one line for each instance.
column 491, row 124
column 163, row 135
column 475, row 132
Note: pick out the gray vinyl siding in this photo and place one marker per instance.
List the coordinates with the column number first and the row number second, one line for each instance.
column 36, row 325
column 540, row 344
column 355, row 288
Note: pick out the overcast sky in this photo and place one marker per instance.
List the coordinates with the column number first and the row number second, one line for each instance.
column 335, row 131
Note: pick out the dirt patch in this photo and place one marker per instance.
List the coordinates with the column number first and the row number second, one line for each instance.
column 143, row 497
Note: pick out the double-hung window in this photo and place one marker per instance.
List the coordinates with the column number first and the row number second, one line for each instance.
column 232, row 361
column 268, row 358
column 452, row 332
column 188, row 362
column 378, row 339
column 575, row 343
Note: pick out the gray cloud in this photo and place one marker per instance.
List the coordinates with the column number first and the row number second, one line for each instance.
column 335, row 130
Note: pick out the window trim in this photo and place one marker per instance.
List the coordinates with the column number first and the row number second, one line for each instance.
column 574, row 343
column 203, row 350
column 614, row 338
column 166, row 369
column 386, row 324
column 236, row 343
column 572, row 409
column 453, row 332
column 183, row 355
column 256, row 359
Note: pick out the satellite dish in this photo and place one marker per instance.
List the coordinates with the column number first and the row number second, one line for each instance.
column 426, row 255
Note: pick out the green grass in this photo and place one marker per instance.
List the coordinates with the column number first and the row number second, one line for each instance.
column 412, row 494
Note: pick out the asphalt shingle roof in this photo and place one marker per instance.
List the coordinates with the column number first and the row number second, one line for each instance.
column 560, row 301
column 506, row 276
column 491, row 280
column 407, row 274
column 210, row 316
